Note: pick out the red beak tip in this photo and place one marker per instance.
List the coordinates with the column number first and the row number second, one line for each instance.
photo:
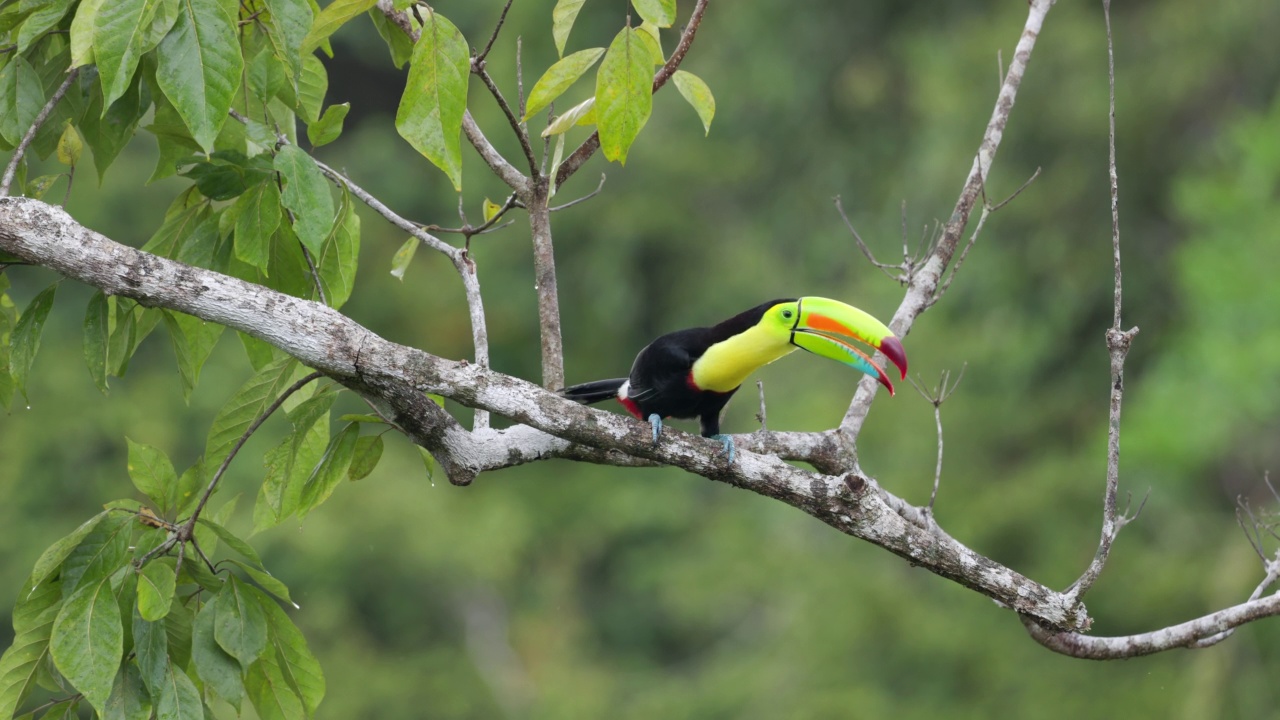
column 891, row 347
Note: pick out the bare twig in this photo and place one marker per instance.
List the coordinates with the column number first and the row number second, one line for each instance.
column 589, row 146
column 924, row 282
column 1118, row 343
column 582, row 199
column 761, row 416
column 940, row 393
column 41, row 117
column 496, row 29
column 544, row 272
column 902, row 274
column 517, row 127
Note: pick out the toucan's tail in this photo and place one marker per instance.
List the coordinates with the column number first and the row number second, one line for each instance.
column 594, row 392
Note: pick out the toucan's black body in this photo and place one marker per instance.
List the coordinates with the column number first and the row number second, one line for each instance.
column 661, row 379
column 693, row 373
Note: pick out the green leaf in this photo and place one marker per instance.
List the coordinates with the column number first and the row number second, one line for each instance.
column 429, row 462
column 24, row 343
column 435, row 97
column 259, row 216
column 698, row 94
column 562, row 18
column 559, row 77
column 166, row 15
column 177, row 628
column 240, row 625
column 155, row 590
column 19, row 666
column 205, row 535
column 193, row 341
column 490, row 209
column 650, row 36
column 212, row 664
column 82, row 32
column 404, row 256
column 44, row 16
column 624, row 97
column 70, row 146
column 178, row 698
column 260, row 354
column 340, row 255
column 233, row 542
column 227, row 173
column 199, row 67
column 287, row 26
column 265, row 579
column 190, row 483
column 97, row 321
column 151, row 647
column 572, row 116
column 306, row 194
column 129, row 698
column 153, row 474
column 41, row 185
column 398, row 42
column 659, row 12
column 21, row 97
column 108, row 132
column 269, row 691
column 365, row 458
column 334, row 16
column 290, row 463
column 172, row 137
column 52, row 558
column 299, row 667
column 313, row 83
column 103, row 551
column 88, row 641
column 326, row 476
column 362, row 418
column 244, row 407
column 121, row 30
column 329, row 126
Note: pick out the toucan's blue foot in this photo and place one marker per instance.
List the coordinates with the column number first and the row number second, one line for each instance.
column 728, row 445
column 656, row 421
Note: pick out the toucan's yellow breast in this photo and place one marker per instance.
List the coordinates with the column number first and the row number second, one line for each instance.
column 727, row 364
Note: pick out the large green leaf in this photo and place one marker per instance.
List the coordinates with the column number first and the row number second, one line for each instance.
column 366, row 456
column 24, row 343
column 178, row 698
column 44, row 15
column 153, row 474
column 82, row 32
column 624, row 94
column 155, row 590
column 562, row 18
column 108, row 131
column 269, row 691
column 232, row 541
column 199, row 67
column 103, row 551
column 151, row 647
column 52, row 558
column 266, row 580
column 298, row 666
column 698, row 94
column 435, row 97
column 121, row 30
column 289, row 464
column 659, row 12
column 212, row 664
column 287, row 23
column 21, row 98
column 313, row 83
column 177, row 630
column 247, row 404
column 259, row 216
column 33, row 621
column 88, row 641
column 193, row 341
column 331, row 470
column 97, row 334
column 334, row 16
column 306, row 195
column 329, row 126
column 240, row 625
column 172, row 136
column 340, row 255
column 398, row 42
column 129, row 698
column 559, row 77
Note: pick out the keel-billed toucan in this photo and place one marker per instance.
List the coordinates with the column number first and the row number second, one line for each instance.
column 693, row 373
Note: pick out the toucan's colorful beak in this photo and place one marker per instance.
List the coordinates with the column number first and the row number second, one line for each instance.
column 825, row 327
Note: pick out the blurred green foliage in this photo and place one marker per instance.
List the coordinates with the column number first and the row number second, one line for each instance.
column 572, row 591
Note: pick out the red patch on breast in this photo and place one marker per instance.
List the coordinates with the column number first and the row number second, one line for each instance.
column 688, row 380
column 631, row 407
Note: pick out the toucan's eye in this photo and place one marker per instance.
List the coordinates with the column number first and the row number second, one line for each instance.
column 786, row 314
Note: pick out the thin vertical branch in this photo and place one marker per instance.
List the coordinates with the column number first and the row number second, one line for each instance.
column 544, row 273
column 41, row 118
column 1118, row 343
column 924, row 282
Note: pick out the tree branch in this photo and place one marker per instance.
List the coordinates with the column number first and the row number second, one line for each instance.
column 328, row 341
column 43, row 116
column 924, row 282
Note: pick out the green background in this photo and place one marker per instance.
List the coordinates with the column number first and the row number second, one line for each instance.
column 561, row 590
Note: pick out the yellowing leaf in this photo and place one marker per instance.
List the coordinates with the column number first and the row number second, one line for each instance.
column 659, row 12
column 559, row 77
column 491, row 209
column 624, row 94
column 562, row 18
column 70, row 145
column 698, row 94
column 572, row 116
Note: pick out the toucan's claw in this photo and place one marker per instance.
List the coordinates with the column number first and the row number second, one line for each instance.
column 656, row 421
column 728, row 445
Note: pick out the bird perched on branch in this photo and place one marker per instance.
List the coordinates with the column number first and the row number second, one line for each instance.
column 693, row 373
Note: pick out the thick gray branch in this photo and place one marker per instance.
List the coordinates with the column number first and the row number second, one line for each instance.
column 396, row 376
